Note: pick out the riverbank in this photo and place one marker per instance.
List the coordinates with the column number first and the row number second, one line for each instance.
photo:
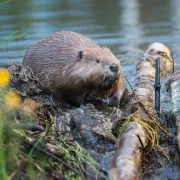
column 57, row 141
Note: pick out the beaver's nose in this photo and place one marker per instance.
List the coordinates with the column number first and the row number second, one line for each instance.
column 114, row 67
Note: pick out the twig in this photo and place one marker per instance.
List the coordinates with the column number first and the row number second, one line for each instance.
column 172, row 55
column 28, row 126
column 159, row 125
column 157, row 87
column 50, row 99
column 97, row 175
column 139, row 102
column 83, row 171
column 140, row 140
column 55, row 157
column 12, row 175
column 131, row 88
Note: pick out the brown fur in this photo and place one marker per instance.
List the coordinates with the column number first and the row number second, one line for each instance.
column 55, row 61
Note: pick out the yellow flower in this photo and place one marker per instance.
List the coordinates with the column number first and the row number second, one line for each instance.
column 4, row 77
column 12, row 100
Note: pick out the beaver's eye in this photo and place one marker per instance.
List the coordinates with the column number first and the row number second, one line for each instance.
column 97, row 60
column 80, row 54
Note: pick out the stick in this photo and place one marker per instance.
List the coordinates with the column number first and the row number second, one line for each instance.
column 157, row 87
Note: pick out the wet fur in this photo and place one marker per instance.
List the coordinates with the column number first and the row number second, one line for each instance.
column 55, row 61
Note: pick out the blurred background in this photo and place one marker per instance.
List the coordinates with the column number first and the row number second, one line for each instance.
column 125, row 26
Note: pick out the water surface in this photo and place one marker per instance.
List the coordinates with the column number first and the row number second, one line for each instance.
column 126, row 27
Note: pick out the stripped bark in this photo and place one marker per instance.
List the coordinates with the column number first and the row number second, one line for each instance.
column 175, row 98
column 127, row 161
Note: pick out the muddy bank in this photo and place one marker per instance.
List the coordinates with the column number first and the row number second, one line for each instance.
column 147, row 134
column 89, row 131
column 90, row 125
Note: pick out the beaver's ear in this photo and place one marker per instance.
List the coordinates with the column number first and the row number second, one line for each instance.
column 80, row 54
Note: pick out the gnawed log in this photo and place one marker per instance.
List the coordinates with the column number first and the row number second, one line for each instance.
column 140, row 127
column 175, row 98
column 128, row 158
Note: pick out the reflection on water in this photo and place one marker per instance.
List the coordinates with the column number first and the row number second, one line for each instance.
column 127, row 27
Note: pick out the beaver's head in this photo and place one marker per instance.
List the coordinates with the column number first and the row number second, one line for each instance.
column 97, row 67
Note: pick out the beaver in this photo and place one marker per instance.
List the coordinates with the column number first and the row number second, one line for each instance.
column 71, row 66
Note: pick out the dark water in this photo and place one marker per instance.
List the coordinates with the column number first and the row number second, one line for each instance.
column 125, row 26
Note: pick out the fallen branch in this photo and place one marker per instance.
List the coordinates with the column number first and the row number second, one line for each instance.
column 127, row 161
